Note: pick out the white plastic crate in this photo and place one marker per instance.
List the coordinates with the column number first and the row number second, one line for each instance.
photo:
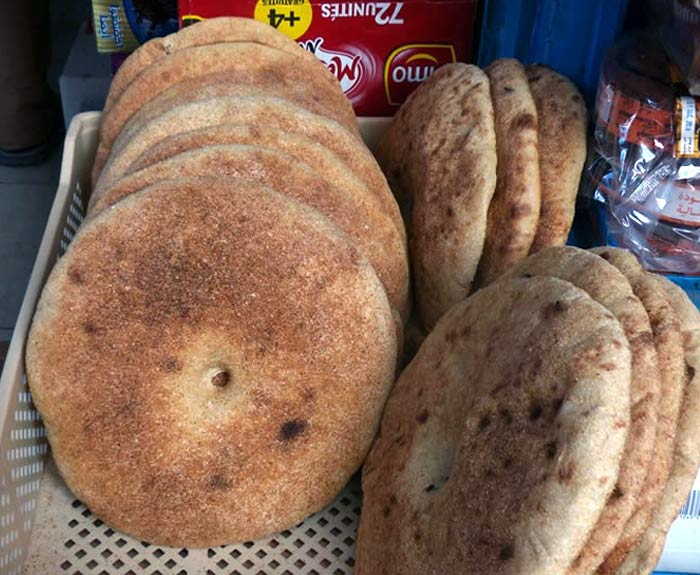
column 44, row 530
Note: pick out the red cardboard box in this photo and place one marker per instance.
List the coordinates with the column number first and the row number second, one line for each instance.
column 379, row 51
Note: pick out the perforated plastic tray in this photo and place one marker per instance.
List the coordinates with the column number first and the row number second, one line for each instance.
column 44, row 530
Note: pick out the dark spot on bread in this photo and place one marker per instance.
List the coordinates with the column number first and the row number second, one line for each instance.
column 507, row 552
column 450, row 212
column 417, row 535
column 528, row 276
column 554, row 309
column 608, row 366
column 535, row 412
column 605, row 255
column 689, row 371
column 490, row 474
column 90, row 328
column 550, row 449
column 617, row 492
column 506, row 416
column 400, row 441
column 430, row 488
column 508, row 89
column 484, row 422
column 389, row 506
column 292, row 429
column 171, row 365
column 523, row 122
column 309, row 394
column 507, row 462
column 423, row 416
column 566, row 472
column 575, row 98
column 219, row 482
column 221, row 379
column 75, row 275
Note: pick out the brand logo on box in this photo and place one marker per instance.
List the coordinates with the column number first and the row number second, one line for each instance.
column 410, row 65
column 344, row 66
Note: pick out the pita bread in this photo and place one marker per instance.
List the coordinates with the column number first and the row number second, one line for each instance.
column 606, row 285
column 562, row 123
column 668, row 341
column 260, row 111
column 212, row 31
column 202, row 61
column 440, row 153
column 211, row 360
column 509, row 423
column 359, row 216
column 686, row 454
column 515, row 209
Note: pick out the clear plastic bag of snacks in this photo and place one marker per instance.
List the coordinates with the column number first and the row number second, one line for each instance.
column 644, row 170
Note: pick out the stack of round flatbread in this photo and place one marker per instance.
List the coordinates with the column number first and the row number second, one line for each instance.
column 547, row 425
column 486, row 166
column 212, row 355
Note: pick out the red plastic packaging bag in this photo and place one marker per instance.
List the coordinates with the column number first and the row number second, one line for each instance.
column 379, row 51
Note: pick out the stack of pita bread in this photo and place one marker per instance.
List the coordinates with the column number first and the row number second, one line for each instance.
column 486, row 165
column 212, row 354
column 547, row 425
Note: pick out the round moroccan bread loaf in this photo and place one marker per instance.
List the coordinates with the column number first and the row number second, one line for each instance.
column 259, row 111
column 210, row 31
column 514, row 213
column 200, row 61
column 360, row 216
column 686, row 455
column 211, row 360
column 609, row 287
column 439, row 153
column 292, row 84
column 501, row 442
column 668, row 340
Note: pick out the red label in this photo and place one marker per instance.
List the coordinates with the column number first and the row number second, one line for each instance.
column 379, row 51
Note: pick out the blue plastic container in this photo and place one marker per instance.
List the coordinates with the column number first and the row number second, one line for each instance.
column 568, row 35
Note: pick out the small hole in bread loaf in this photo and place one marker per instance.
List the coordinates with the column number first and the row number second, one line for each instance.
column 221, row 379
